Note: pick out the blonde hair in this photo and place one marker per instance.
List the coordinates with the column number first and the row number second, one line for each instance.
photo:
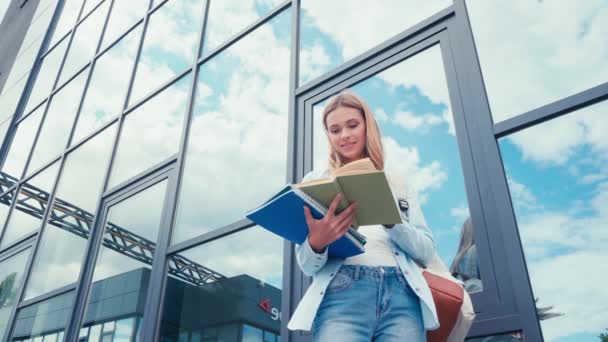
column 373, row 144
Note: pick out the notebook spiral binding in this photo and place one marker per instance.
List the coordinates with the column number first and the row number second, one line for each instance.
column 359, row 239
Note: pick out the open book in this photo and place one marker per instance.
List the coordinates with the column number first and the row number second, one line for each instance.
column 283, row 214
column 360, row 182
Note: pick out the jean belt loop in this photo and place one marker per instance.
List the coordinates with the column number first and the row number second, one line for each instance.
column 357, row 269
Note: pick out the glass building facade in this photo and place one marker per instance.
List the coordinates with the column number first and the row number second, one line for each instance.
column 136, row 134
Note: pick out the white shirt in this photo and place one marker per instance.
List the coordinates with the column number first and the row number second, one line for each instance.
column 378, row 251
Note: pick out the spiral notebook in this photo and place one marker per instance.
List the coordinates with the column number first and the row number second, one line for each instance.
column 283, row 214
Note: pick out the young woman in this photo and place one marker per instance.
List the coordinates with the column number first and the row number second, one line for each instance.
column 379, row 295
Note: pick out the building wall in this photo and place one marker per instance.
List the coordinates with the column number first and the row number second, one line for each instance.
column 135, row 135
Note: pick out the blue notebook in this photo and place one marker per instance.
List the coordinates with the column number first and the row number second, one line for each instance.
column 283, row 215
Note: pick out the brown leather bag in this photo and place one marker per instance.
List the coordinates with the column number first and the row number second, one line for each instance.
column 448, row 297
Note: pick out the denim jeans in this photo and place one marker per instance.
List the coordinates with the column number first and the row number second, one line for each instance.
column 369, row 304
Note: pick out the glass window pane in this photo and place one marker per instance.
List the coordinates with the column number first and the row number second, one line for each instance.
column 554, row 49
column 124, row 330
column 31, row 43
column 63, row 243
column 120, row 278
column 22, row 144
column 229, row 281
column 58, row 123
column 109, row 327
column 559, row 188
column 229, row 17
column 5, row 205
column 38, row 27
column 329, row 36
column 251, row 334
column 412, row 107
column 11, row 274
column 152, row 132
column 107, row 89
column 95, row 333
column 41, row 318
column 123, row 16
column 69, row 14
column 10, row 99
column 31, row 203
column 238, row 131
column 512, row 337
column 170, row 44
column 88, row 6
column 46, row 76
column 84, row 43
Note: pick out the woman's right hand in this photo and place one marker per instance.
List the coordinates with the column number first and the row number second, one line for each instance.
column 331, row 227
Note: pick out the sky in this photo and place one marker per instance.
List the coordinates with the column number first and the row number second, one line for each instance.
column 238, row 136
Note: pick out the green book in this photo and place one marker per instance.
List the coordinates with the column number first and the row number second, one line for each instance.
column 361, row 183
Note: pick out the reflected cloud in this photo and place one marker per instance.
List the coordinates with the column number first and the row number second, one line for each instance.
column 554, row 49
column 241, row 129
column 563, row 221
column 105, row 96
column 170, row 45
column 329, row 37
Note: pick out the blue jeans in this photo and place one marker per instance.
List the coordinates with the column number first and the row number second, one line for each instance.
column 369, row 304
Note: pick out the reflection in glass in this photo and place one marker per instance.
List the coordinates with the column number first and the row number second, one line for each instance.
column 329, row 37
column 21, row 145
column 11, row 274
column 124, row 330
column 411, row 104
column 10, row 98
column 122, row 271
column 152, row 132
column 105, row 96
column 84, row 43
column 559, row 188
column 69, row 14
column 512, row 337
column 5, row 204
column 58, row 123
column 170, row 45
column 238, row 131
column 30, row 45
column 32, row 199
column 88, row 6
column 225, row 284
column 63, row 243
column 229, row 17
column 46, row 318
column 553, row 51
column 123, row 16
column 46, row 76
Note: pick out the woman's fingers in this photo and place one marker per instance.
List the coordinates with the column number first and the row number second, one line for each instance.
column 350, row 209
column 308, row 216
column 341, row 220
column 333, row 206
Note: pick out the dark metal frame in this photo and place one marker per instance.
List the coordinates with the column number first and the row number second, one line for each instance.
column 502, row 306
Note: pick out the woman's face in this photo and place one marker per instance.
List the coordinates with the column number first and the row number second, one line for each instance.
column 346, row 129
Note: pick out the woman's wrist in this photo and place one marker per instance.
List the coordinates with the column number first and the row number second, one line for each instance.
column 316, row 247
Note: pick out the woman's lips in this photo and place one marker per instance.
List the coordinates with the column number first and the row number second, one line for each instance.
column 347, row 146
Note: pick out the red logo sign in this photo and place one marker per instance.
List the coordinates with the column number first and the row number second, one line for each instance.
column 265, row 305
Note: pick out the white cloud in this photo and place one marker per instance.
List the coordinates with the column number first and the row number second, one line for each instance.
column 313, row 61
column 238, row 142
column 553, row 49
column 375, row 22
column 406, row 172
column 410, row 121
column 572, row 240
column 381, row 115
